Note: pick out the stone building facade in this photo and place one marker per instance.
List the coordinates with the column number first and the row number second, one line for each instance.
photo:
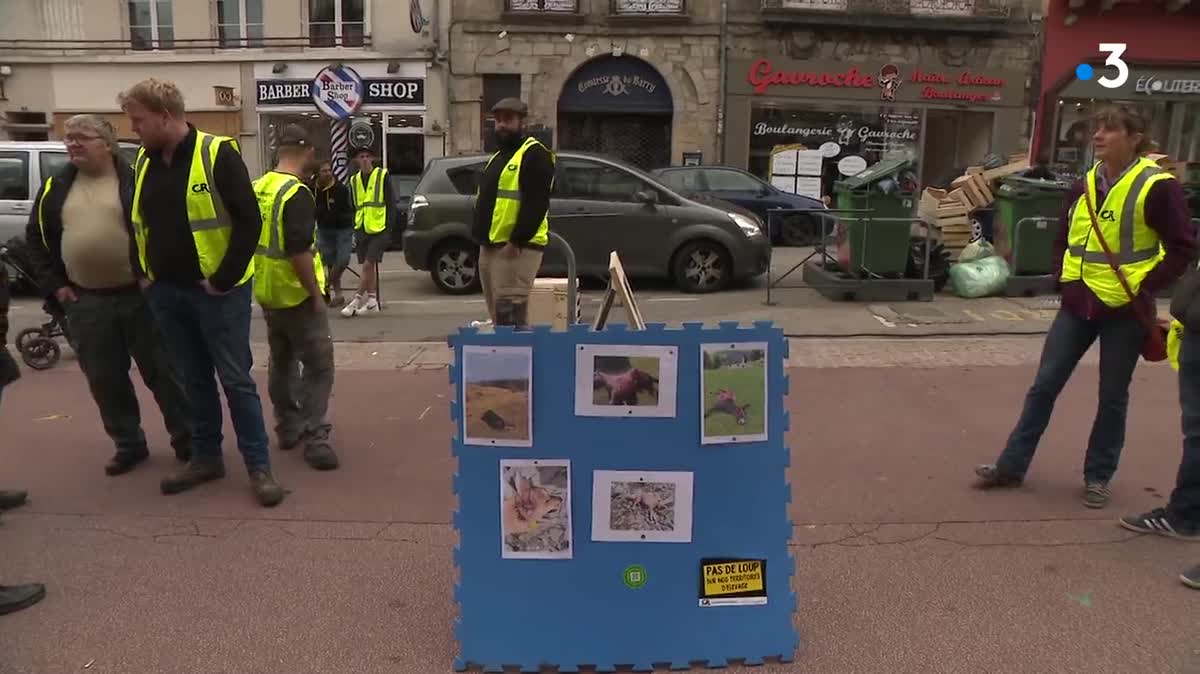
column 636, row 80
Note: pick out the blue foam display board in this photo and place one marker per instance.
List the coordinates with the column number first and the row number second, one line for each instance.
column 578, row 612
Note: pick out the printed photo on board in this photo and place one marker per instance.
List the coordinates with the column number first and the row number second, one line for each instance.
column 734, row 382
column 642, row 506
column 621, row 380
column 497, row 387
column 535, row 507
column 625, row 381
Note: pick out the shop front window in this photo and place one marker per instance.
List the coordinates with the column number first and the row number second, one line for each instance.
column 1072, row 154
column 335, row 142
column 841, row 133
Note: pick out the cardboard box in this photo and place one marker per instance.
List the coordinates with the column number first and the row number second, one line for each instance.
column 548, row 303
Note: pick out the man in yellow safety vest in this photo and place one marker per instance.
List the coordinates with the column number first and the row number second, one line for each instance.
column 196, row 226
column 373, row 225
column 511, row 215
column 289, row 282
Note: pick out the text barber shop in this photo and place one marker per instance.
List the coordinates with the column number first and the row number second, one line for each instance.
column 941, row 119
column 345, row 107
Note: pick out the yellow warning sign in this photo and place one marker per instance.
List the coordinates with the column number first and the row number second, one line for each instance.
column 739, row 577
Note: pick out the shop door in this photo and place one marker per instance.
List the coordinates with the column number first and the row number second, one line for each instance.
column 643, row 140
column 404, row 156
column 954, row 140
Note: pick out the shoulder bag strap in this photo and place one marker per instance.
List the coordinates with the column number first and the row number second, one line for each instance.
column 1112, row 259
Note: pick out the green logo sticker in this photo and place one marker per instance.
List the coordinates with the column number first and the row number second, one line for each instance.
column 634, row 576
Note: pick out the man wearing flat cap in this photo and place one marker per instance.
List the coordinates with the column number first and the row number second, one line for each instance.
column 289, row 283
column 511, row 223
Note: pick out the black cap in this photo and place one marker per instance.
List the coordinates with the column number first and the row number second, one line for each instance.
column 513, row 105
column 364, row 149
column 294, row 135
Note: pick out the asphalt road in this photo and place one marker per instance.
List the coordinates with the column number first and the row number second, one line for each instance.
column 416, row 311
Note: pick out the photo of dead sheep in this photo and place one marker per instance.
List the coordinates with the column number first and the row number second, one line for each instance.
column 536, row 509
column 642, row 506
column 496, row 395
column 624, row 380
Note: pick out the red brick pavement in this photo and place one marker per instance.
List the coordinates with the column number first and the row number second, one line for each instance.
column 901, row 567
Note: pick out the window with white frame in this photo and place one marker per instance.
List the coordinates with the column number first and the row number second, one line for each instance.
column 151, row 24
column 240, row 23
column 337, row 23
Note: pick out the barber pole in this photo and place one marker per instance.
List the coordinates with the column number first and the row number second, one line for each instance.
column 339, row 136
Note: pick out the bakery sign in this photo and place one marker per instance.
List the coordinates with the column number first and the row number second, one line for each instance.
column 888, row 82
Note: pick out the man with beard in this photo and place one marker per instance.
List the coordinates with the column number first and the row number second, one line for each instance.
column 196, row 224
column 289, row 282
column 511, row 223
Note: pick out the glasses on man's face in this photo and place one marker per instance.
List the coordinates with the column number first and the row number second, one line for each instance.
column 78, row 139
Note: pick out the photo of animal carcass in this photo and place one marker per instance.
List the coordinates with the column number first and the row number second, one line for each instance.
column 642, row 506
column 496, row 390
column 536, row 509
column 620, row 380
column 735, row 392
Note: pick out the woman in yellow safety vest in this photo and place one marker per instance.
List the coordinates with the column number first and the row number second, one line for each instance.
column 1140, row 210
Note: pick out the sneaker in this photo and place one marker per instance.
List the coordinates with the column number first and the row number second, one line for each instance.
column 12, row 498
column 16, row 597
column 371, row 305
column 352, row 307
column 319, row 454
column 1096, row 494
column 194, row 474
column 1191, row 577
column 123, row 462
column 1157, row 521
column 990, row 477
column 267, row 491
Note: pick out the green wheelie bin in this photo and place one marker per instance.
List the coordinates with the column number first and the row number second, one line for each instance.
column 1026, row 214
column 877, row 247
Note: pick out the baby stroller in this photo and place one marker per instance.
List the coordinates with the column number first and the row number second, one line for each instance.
column 37, row 346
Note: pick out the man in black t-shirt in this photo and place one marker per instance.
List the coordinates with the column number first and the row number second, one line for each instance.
column 335, row 229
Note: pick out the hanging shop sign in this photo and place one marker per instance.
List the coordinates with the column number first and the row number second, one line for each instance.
column 374, row 91
column 885, row 82
column 337, row 91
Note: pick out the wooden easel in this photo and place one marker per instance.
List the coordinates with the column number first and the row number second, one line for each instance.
column 618, row 287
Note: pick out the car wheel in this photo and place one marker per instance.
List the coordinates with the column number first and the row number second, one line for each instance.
column 701, row 267
column 455, row 268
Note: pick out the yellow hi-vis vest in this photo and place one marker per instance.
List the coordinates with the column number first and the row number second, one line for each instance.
column 276, row 285
column 1174, row 337
column 508, row 199
column 1122, row 219
column 370, row 208
column 207, row 217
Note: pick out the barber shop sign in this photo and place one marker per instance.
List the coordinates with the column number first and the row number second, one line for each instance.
column 337, row 91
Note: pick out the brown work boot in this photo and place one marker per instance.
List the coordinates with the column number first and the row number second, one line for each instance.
column 318, row 452
column 12, row 498
column 194, row 474
column 267, row 491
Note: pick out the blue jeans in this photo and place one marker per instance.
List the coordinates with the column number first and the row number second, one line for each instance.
column 1184, row 505
column 210, row 336
column 1069, row 338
